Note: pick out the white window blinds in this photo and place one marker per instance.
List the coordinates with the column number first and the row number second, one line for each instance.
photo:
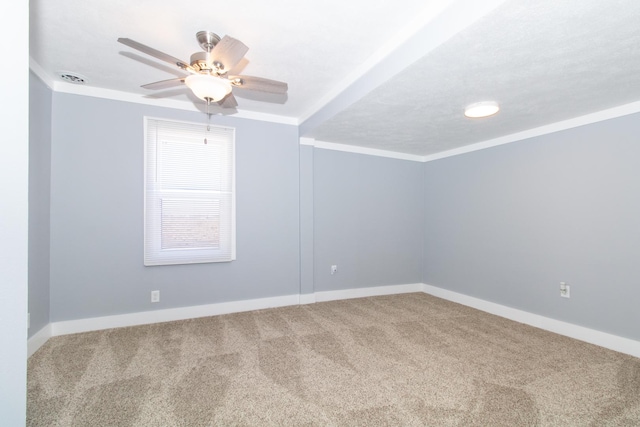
column 189, row 193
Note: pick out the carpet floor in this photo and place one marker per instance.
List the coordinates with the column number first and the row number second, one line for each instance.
column 400, row 360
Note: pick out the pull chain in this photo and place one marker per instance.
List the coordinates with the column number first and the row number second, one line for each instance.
column 208, row 99
column 208, row 119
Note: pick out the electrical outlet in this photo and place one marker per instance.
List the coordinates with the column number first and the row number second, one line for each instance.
column 155, row 296
column 565, row 290
column 334, row 269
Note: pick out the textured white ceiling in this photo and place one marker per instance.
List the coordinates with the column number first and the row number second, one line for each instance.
column 543, row 61
column 392, row 75
column 311, row 45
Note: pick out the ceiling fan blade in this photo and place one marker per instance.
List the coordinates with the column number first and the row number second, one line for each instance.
column 164, row 84
column 259, row 84
column 227, row 53
column 229, row 102
column 156, row 53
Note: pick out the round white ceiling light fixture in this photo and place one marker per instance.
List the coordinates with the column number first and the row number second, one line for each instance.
column 481, row 109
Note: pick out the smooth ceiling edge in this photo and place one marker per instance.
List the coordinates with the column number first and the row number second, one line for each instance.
column 599, row 116
column 96, row 92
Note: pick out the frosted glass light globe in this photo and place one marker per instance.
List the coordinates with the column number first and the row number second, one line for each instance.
column 208, row 87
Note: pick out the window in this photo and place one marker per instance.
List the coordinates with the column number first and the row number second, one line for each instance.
column 189, row 209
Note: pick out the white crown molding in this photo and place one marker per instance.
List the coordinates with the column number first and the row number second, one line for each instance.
column 611, row 113
column 592, row 336
column 96, row 92
column 599, row 116
column 41, row 73
column 307, row 141
column 360, row 150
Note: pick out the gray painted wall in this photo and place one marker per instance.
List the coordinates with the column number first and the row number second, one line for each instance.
column 39, row 200
column 368, row 219
column 505, row 224
column 306, row 220
column 97, row 214
column 508, row 224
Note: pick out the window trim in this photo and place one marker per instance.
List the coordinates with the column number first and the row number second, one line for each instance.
column 153, row 254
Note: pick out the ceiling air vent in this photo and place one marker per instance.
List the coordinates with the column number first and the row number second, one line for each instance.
column 72, row 77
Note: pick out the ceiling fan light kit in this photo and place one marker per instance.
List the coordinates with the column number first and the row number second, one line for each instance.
column 208, row 79
column 207, row 87
column 481, row 109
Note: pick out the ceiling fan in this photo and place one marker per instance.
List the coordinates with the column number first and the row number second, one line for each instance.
column 209, row 79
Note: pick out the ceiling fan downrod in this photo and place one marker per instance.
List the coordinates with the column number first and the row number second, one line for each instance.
column 207, row 40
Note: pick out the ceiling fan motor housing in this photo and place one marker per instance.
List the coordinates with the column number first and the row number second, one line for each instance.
column 199, row 61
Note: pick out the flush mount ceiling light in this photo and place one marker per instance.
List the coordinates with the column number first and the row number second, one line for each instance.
column 482, row 109
column 207, row 87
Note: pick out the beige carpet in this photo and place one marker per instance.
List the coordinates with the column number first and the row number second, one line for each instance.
column 402, row 360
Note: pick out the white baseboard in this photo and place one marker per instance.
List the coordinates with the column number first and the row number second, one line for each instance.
column 38, row 339
column 367, row 292
column 168, row 315
column 307, row 299
column 592, row 336
column 613, row 342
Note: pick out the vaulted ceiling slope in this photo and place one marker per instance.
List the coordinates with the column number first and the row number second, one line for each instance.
column 381, row 74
